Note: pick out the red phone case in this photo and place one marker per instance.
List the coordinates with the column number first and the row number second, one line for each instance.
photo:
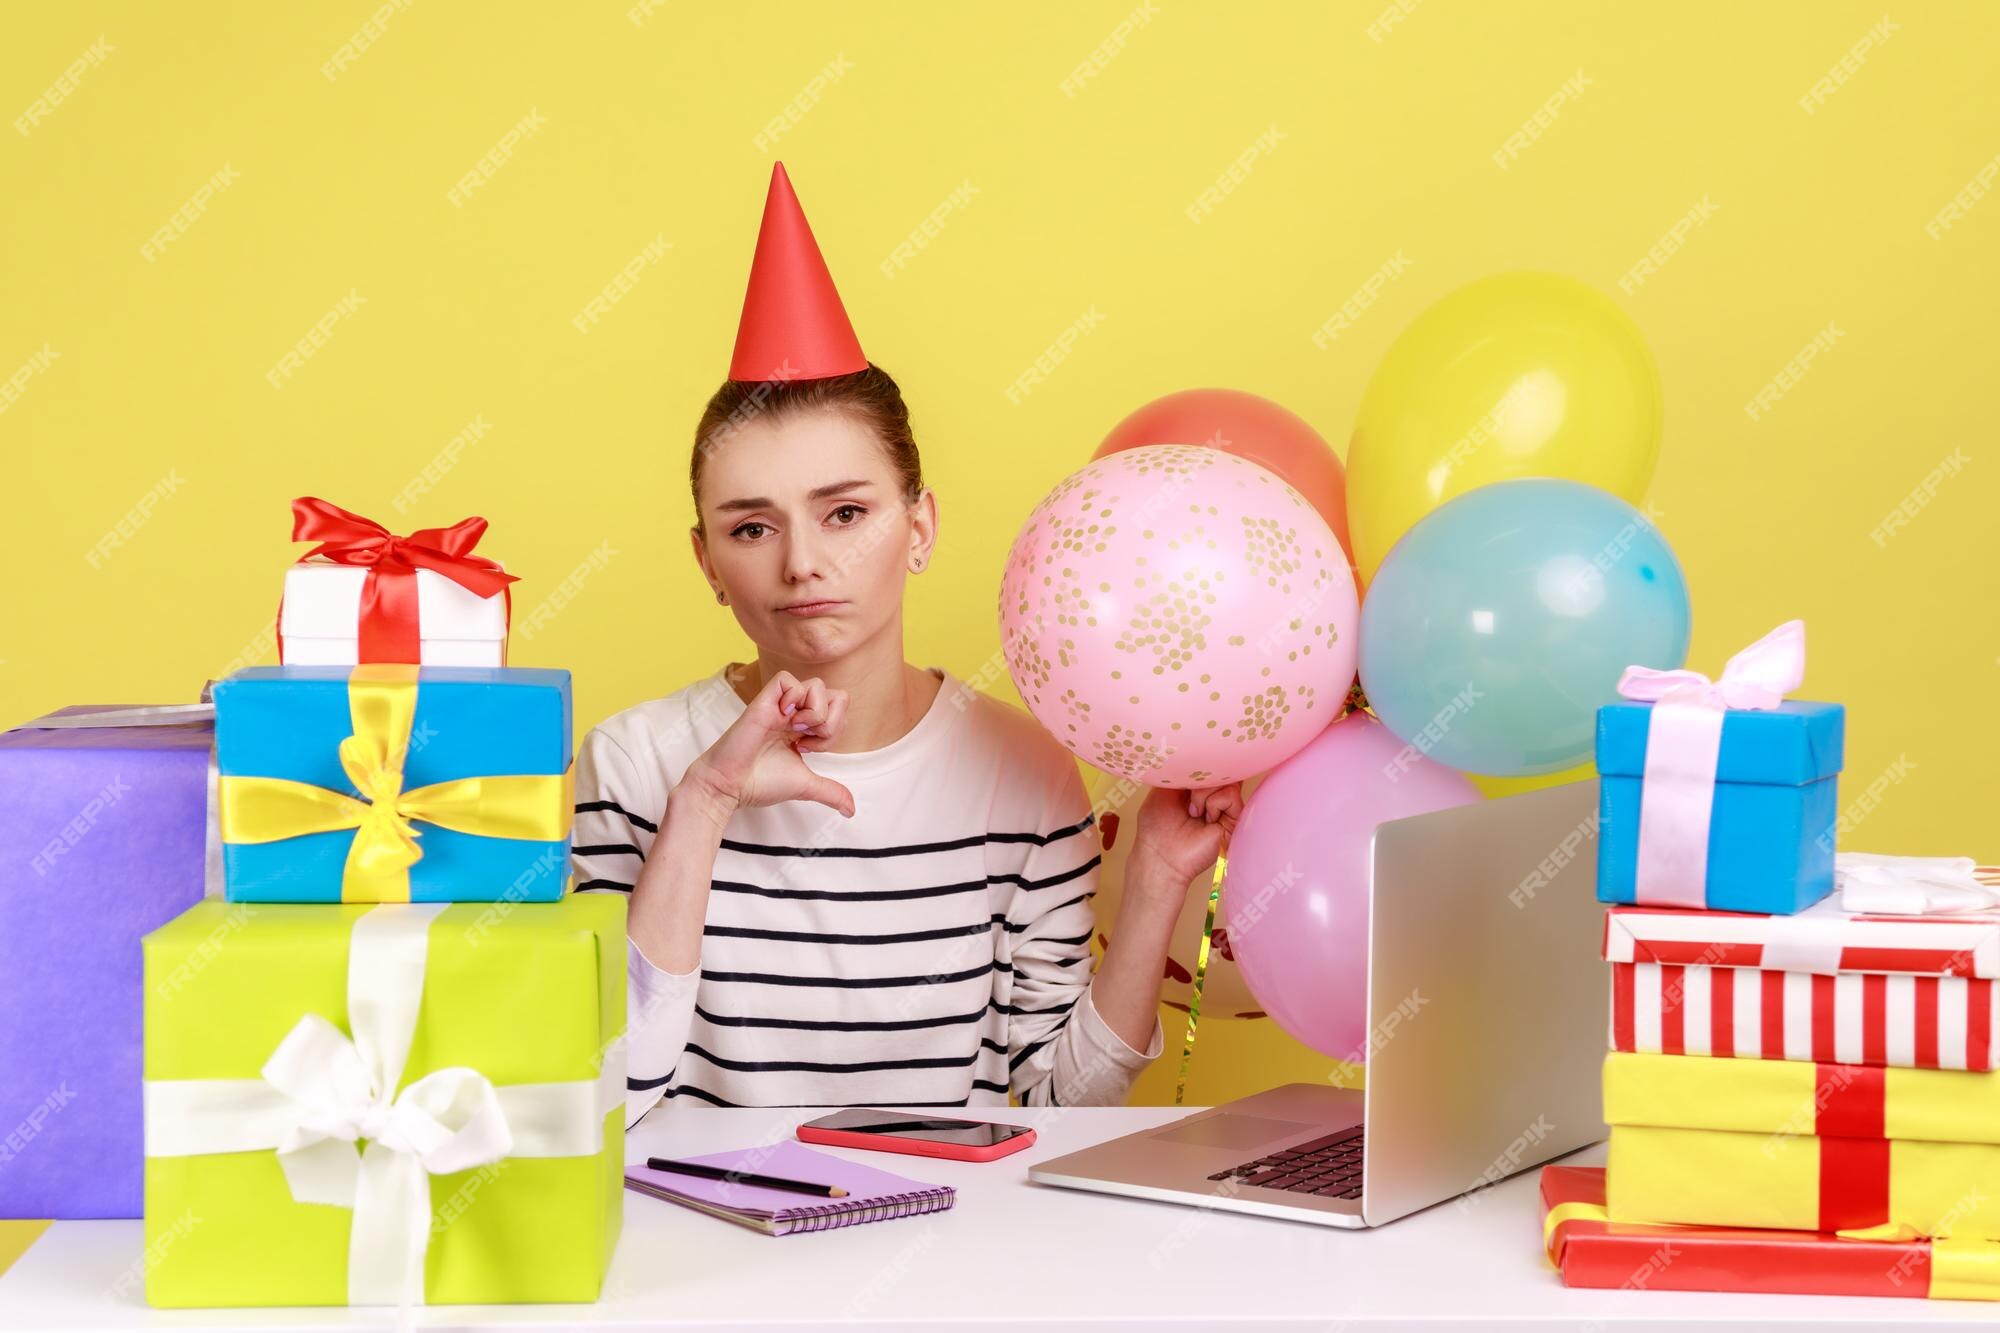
column 847, row 1138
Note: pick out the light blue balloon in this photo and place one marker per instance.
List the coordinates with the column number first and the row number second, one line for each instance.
column 1500, row 623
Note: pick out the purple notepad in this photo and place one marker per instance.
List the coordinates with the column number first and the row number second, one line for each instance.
column 872, row 1193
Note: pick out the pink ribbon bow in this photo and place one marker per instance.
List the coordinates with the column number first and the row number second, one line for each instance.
column 1683, row 744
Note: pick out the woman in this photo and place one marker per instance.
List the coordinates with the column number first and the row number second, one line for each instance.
column 855, row 881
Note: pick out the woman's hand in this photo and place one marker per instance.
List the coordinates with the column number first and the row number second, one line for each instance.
column 1180, row 835
column 756, row 762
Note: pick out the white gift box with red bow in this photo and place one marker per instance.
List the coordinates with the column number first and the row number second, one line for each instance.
column 366, row 594
column 319, row 621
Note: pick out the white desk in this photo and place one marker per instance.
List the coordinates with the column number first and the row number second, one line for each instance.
column 1009, row 1253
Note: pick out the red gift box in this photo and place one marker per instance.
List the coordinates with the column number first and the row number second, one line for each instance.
column 1591, row 1251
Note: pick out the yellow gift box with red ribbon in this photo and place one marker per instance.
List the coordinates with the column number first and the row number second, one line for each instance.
column 1795, row 1145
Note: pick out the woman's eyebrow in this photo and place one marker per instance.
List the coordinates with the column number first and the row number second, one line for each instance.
column 816, row 493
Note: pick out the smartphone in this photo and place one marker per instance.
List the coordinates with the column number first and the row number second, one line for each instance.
column 913, row 1132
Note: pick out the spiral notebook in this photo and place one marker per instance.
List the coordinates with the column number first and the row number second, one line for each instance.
column 872, row 1193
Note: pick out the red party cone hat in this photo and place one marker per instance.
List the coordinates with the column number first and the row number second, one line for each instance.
column 793, row 326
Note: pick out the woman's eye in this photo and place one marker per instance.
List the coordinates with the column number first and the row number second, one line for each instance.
column 748, row 532
column 848, row 514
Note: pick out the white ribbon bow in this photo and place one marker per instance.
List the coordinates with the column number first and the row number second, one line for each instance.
column 1758, row 677
column 449, row 1120
column 323, row 1092
column 1914, row 885
column 1683, row 745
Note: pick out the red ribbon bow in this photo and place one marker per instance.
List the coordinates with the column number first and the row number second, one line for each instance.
column 390, row 630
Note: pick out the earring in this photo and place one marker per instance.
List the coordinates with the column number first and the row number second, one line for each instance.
column 721, row 597
column 917, row 565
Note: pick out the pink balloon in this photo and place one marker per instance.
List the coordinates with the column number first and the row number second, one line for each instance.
column 1179, row 616
column 1295, row 891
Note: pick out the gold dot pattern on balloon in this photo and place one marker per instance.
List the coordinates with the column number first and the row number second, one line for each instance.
column 1031, row 667
column 1078, row 709
column 1272, row 550
column 1171, row 460
column 1082, row 533
column 1130, row 753
column 1263, row 714
column 1071, row 603
column 1169, row 625
column 1074, row 482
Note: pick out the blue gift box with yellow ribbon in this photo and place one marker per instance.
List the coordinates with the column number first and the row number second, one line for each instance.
column 394, row 783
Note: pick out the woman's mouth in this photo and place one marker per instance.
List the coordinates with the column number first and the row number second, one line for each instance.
column 821, row 607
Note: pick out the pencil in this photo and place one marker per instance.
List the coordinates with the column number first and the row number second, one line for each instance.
column 745, row 1177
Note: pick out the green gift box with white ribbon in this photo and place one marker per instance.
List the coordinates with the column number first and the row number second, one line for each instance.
column 381, row 1105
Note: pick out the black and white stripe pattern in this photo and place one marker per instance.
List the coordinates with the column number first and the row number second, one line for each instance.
column 933, row 951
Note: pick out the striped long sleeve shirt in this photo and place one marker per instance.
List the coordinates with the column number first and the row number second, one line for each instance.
column 934, row 950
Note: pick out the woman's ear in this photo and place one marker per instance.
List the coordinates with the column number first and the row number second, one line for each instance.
column 923, row 529
column 707, row 571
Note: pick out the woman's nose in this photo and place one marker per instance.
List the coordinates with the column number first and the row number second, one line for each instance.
column 802, row 558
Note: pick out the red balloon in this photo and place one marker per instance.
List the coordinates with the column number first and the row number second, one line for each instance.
column 1252, row 428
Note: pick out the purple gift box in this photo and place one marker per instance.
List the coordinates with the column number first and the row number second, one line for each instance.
column 102, row 835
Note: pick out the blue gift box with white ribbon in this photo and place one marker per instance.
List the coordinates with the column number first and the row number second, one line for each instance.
column 1770, row 821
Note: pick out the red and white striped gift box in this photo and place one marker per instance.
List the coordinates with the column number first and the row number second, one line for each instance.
column 1825, row 985
column 1854, row 1018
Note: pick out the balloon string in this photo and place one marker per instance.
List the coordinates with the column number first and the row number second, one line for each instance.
column 1200, row 976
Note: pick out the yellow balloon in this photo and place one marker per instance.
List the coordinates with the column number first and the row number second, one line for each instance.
column 1517, row 375
column 1493, row 787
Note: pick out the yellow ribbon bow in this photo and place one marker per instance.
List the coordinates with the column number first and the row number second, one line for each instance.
column 382, row 702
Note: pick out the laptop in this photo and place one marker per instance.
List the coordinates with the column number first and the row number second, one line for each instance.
column 1486, row 1036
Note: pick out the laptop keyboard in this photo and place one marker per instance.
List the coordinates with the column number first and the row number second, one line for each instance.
column 1329, row 1167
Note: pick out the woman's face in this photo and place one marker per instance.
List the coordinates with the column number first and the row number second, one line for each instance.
column 808, row 534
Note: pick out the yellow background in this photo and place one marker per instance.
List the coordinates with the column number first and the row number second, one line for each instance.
column 1081, row 202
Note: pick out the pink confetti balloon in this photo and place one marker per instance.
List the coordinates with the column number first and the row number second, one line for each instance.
column 1179, row 616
